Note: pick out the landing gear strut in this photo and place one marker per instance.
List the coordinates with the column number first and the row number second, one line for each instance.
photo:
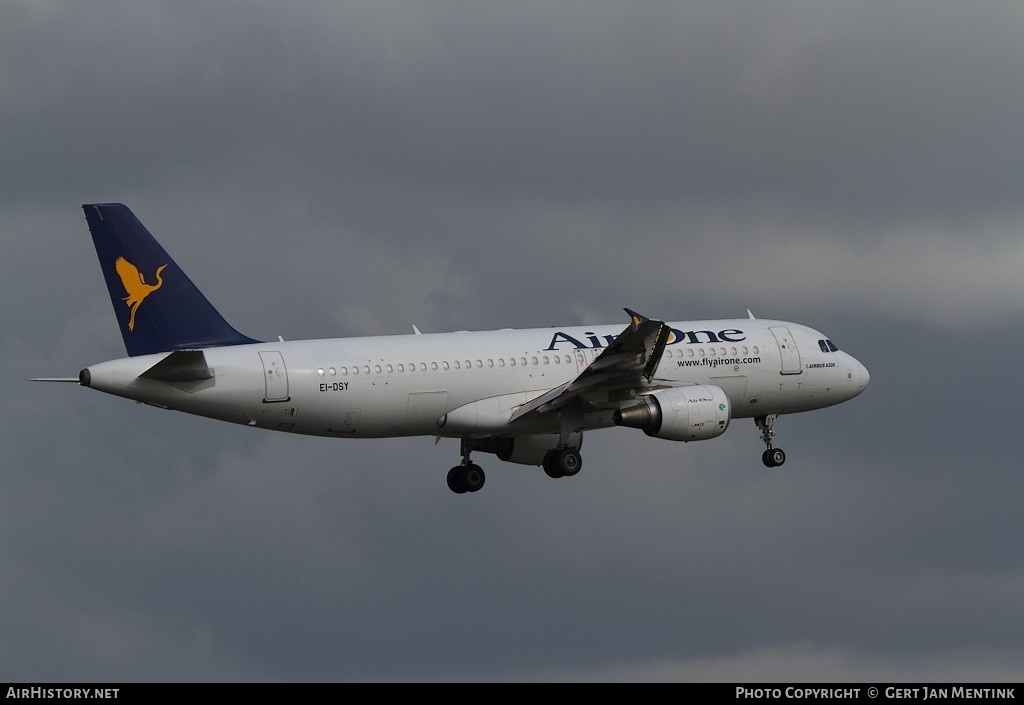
column 772, row 457
column 565, row 460
column 468, row 476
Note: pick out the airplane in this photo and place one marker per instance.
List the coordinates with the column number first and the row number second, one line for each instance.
column 526, row 396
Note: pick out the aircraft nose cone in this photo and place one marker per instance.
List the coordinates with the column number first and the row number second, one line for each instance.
column 859, row 378
column 856, row 377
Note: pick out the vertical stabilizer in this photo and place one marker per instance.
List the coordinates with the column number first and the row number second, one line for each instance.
column 158, row 308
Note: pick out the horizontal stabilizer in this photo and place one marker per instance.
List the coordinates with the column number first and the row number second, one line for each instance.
column 180, row 366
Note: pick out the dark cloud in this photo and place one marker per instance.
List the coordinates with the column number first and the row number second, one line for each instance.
column 354, row 168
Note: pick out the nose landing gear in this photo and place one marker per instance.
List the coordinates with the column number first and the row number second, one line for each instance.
column 772, row 457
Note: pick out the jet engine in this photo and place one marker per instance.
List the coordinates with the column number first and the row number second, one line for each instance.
column 694, row 413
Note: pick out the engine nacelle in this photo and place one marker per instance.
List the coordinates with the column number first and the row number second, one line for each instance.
column 525, row 450
column 694, row 413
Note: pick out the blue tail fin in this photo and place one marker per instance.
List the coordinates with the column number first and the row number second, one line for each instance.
column 158, row 307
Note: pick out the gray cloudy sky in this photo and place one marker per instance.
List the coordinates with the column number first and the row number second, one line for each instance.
column 344, row 168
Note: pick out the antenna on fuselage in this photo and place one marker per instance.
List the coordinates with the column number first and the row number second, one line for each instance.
column 750, row 315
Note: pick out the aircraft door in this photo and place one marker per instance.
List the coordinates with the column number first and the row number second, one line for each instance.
column 276, row 376
column 788, row 350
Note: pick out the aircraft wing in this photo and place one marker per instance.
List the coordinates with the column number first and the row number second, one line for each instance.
column 634, row 354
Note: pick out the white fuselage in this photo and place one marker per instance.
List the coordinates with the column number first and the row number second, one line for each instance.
column 470, row 383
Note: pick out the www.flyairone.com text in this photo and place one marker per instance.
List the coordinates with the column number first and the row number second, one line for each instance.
column 716, row 361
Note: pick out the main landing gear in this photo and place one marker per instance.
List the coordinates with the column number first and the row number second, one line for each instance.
column 565, row 460
column 772, row 457
column 467, row 476
column 562, row 462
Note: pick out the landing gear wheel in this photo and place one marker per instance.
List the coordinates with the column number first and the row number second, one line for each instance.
column 569, row 461
column 472, row 477
column 466, row 478
column 773, row 457
column 565, row 462
column 551, row 465
column 455, row 481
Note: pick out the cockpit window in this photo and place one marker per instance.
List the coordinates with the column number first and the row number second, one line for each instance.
column 832, row 346
column 823, row 346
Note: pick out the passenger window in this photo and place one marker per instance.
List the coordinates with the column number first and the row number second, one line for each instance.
column 568, row 359
column 344, row 371
column 501, row 362
column 423, row 367
column 445, row 365
column 512, row 362
column 390, row 369
column 333, row 372
column 377, row 369
column 522, row 360
column 433, row 366
column 534, row 361
column 490, row 362
column 469, row 364
column 320, row 371
column 546, row 361
column 355, row 370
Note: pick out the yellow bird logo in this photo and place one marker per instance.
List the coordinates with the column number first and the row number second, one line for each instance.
column 135, row 286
